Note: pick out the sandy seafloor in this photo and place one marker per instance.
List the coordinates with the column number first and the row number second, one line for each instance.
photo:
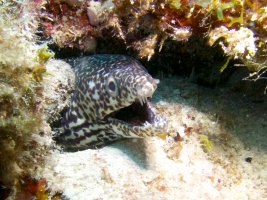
column 180, row 166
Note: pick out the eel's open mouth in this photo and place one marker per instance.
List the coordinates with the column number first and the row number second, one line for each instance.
column 137, row 114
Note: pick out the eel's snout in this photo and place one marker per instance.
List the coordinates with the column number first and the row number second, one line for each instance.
column 139, row 113
column 145, row 89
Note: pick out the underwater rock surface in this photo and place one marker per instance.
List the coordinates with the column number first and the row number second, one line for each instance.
column 216, row 144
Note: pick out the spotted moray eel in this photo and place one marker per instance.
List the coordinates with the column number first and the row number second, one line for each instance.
column 110, row 102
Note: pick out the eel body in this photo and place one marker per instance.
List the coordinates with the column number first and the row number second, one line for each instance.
column 110, row 102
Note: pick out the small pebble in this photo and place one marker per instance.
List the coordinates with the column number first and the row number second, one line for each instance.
column 248, row 159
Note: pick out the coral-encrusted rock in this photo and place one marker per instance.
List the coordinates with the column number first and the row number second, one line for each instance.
column 239, row 42
column 58, row 85
column 73, row 23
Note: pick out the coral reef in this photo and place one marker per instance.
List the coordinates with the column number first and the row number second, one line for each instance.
column 239, row 43
column 33, row 188
column 58, row 84
column 35, row 88
column 145, row 25
column 72, row 23
column 20, row 96
column 26, row 104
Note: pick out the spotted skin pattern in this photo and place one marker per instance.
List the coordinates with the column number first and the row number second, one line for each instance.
column 105, row 84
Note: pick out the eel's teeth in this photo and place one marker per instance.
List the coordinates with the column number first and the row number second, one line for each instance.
column 140, row 99
column 143, row 100
column 147, row 123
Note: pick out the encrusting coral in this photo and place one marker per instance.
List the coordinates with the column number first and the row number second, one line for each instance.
column 25, row 102
column 145, row 25
column 20, row 98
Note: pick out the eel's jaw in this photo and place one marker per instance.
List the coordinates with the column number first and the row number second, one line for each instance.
column 137, row 120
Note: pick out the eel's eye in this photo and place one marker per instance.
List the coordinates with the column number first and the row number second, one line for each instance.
column 111, row 86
